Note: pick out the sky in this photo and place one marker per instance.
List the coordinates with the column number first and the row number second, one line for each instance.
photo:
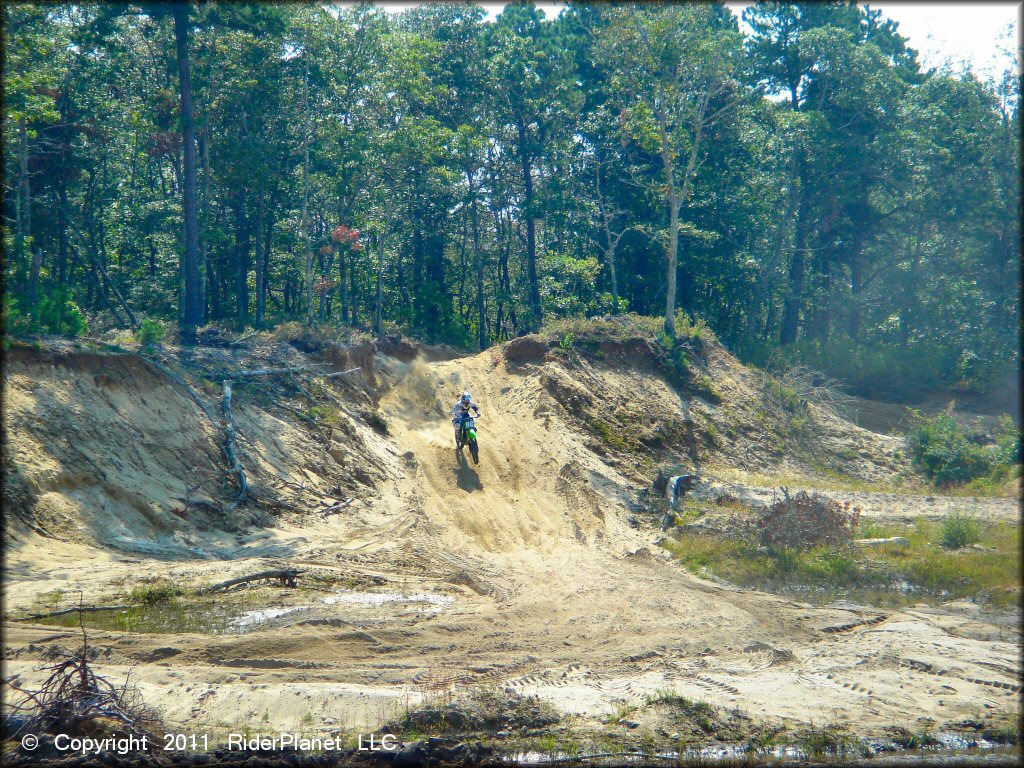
column 984, row 35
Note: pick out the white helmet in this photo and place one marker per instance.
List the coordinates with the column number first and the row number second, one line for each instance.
column 466, row 397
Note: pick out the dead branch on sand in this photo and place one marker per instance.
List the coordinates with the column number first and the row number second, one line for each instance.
column 285, row 576
column 230, row 449
column 77, row 608
column 75, row 700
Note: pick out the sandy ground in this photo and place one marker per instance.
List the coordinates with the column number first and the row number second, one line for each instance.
column 520, row 573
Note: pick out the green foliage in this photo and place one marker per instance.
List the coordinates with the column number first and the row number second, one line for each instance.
column 828, row 740
column 1008, row 441
column 155, row 593
column 959, row 530
column 579, row 127
column 59, row 315
column 378, row 421
column 886, row 575
column 150, row 332
column 942, row 451
column 908, row 739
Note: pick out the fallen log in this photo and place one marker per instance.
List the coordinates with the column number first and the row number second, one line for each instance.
column 898, row 541
column 285, row 576
column 339, row 373
column 335, row 508
column 76, row 609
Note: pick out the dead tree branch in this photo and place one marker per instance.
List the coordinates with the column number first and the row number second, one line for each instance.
column 285, row 576
column 75, row 609
column 230, row 447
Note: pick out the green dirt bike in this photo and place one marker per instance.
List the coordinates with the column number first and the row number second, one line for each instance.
column 467, row 436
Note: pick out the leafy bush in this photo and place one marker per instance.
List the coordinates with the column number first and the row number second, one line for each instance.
column 870, row 370
column 1008, row 441
column 153, row 594
column 805, row 521
column 378, row 421
column 940, row 449
column 959, row 531
column 150, row 332
column 56, row 314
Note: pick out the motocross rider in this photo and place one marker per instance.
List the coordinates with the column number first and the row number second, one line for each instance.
column 462, row 408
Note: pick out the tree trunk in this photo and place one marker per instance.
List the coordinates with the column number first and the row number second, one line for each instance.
column 673, row 255
column 856, row 288
column 610, row 242
column 260, row 248
column 192, row 310
column 268, row 247
column 204, row 247
column 791, row 308
column 343, row 283
column 25, row 191
column 62, row 232
column 378, row 316
column 308, row 264
column 478, row 258
column 242, row 246
column 673, row 240
column 536, row 317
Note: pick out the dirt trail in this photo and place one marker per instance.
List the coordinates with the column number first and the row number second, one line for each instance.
column 548, row 588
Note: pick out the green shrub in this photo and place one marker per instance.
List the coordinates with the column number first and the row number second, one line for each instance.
column 152, row 594
column 56, row 314
column 1008, row 441
column 959, row 531
column 378, row 421
column 940, row 450
column 150, row 332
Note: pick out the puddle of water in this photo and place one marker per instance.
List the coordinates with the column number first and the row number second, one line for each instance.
column 163, row 618
column 948, row 744
column 221, row 617
column 251, row 620
column 423, row 602
column 882, row 595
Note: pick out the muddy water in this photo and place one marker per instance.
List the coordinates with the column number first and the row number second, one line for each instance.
column 949, row 748
column 219, row 618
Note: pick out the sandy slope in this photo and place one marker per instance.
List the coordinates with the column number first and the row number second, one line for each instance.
column 550, row 589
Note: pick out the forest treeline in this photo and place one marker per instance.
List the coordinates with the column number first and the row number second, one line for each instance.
column 804, row 187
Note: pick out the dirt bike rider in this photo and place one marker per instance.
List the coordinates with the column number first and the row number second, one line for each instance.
column 461, row 410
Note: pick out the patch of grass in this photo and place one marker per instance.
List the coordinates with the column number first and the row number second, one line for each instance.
column 703, row 387
column 764, row 741
column 622, row 712
column 155, row 593
column 908, row 739
column 959, row 531
column 615, row 437
column 833, row 481
column 590, row 332
column 49, row 599
column 699, row 713
column 831, row 739
column 150, row 332
column 887, row 575
column 319, row 413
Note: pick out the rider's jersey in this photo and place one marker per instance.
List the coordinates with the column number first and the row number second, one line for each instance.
column 460, row 409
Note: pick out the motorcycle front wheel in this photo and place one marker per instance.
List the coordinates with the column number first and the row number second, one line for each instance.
column 473, row 449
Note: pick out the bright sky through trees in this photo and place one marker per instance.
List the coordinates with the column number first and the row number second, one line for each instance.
column 982, row 34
